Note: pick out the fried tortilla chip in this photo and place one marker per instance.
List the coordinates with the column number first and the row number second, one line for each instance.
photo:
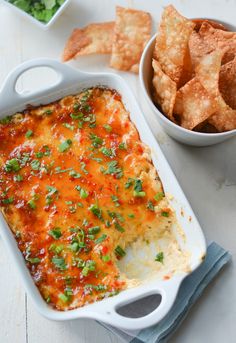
column 131, row 34
column 171, row 48
column 208, row 73
column 92, row 39
column 198, row 48
column 227, row 83
column 219, row 39
column 213, row 23
column 164, row 90
column 194, row 104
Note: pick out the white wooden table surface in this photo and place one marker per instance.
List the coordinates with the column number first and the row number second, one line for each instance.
column 207, row 175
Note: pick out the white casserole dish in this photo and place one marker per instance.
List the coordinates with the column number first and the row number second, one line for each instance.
column 72, row 81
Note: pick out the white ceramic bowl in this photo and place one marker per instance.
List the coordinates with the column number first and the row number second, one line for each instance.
column 71, row 81
column 177, row 132
column 43, row 26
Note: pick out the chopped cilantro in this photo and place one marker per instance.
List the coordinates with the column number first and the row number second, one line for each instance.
column 29, row 134
column 138, row 188
column 129, row 183
column 96, row 141
column 113, row 169
column 159, row 257
column 108, row 152
column 83, row 193
column 64, row 146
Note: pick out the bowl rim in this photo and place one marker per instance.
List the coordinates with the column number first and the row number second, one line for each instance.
column 33, row 20
column 160, row 114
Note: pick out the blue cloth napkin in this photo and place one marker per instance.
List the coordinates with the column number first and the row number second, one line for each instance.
column 190, row 290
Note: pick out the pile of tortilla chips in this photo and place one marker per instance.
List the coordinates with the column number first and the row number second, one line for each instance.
column 124, row 39
column 194, row 65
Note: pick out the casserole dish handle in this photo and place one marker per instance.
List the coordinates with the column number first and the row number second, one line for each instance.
column 11, row 98
column 168, row 291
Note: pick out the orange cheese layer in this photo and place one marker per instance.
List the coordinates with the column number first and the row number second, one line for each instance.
column 76, row 186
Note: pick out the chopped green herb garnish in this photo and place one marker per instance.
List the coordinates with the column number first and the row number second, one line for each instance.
column 150, row 205
column 113, row 169
column 89, row 267
column 48, row 112
column 138, row 188
column 101, row 239
column 35, row 164
column 119, row 251
column 8, row 201
column 131, row 215
column 83, row 193
column 57, row 249
column 58, row 170
column 94, row 230
column 74, row 174
column 83, row 167
column 129, row 183
column 159, row 196
column 39, row 154
column 55, row 233
column 119, row 227
column 98, row 288
column 59, row 263
column 108, row 152
column 29, row 134
column 96, row 211
column 96, row 141
column 12, row 165
column 6, row 120
column 64, row 146
column 159, row 257
column 115, row 200
column 32, row 204
column 165, row 214
column 75, row 246
column 18, row 178
column 68, row 126
column 122, row 146
column 107, row 127
column 106, row 258
column 33, row 260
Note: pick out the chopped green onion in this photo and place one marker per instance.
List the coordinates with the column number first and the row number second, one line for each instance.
column 159, row 257
column 107, row 127
column 150, row 206
column 159, row 196
column 119, row 251
column 12, row 165
column 119, row 227
column 29, row 134
column 32, row 204
column 94, row 230
column 64, row 146
column 122, row 146
column 59, row 263
column 106, row 258
column 101, row 239
column 55, row 233
column 165, row 214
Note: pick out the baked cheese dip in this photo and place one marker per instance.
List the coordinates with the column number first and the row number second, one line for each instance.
column 77, row 187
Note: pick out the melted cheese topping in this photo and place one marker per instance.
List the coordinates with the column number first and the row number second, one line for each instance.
column 77, row 187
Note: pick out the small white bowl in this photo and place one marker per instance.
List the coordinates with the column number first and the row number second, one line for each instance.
column 33, row 20
column 177, row 132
